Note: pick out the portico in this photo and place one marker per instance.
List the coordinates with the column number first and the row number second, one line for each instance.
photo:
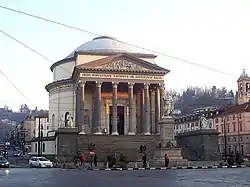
column 126, row 96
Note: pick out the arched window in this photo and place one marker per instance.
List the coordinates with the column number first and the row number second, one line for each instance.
column 247, row 87
column 53, row 121
column 43, row 147
column 241, row 87
column 66, row 119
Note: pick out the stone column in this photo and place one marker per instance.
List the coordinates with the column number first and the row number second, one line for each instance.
column 131, row 109
column 161, row 100
column 157, row 110
column 152, row 111
column 142, row 114
column 107, row 117
column 114, row 109
column 82, row 99
column 147, row 110
column 78, row 108
column 98, row 107
column 138, row 112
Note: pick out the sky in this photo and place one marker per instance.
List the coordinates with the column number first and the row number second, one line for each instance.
column 213, row 33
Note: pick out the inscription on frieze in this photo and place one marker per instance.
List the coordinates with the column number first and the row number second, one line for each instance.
column 122, row 65
column 119, row 76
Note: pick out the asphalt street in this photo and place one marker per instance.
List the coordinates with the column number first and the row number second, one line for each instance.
column 15, row 177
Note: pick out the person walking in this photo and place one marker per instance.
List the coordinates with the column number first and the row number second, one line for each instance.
column 95, row 160
column 166, row 160
column 82, row 159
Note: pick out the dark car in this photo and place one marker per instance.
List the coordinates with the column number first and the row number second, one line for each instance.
column 4, row 163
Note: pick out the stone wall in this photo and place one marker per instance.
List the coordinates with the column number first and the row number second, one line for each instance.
column 199, row 145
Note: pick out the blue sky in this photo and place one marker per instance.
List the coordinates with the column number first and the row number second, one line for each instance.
column 209, row 32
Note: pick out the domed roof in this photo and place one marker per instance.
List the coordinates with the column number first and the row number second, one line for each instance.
column 244, row 75
column 106, row 44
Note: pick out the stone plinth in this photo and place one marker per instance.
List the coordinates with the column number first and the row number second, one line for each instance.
column 173, row 153
column 167, row 130
column 199, row 145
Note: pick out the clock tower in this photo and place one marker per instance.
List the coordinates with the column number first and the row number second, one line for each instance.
column 243, row 95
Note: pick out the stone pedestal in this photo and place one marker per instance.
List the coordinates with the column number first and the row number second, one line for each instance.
column 166, row 136
column 167, row 130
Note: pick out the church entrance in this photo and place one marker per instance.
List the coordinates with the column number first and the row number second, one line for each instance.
column 120, row 120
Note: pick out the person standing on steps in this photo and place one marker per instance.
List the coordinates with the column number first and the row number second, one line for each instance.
column 166, row 160
column 144, row 160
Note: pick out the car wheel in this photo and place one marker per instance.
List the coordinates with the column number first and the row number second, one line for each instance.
column 31, row 165
column 40, row 165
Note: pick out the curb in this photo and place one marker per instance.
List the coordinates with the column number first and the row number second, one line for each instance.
column 156, row 168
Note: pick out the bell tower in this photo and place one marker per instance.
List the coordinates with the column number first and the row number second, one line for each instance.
column 243, row 94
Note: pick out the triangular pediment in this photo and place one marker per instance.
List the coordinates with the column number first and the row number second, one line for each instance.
column 124, row 62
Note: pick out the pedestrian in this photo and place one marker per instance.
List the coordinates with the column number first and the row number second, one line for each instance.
column 166, row 160
column 144, row 160
column 82, row 159
column 91, row 161
column 95, row 160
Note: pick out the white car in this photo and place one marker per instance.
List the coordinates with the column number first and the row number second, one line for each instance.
column 40, row 162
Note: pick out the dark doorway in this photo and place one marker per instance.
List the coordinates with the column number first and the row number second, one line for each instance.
column 120, row 120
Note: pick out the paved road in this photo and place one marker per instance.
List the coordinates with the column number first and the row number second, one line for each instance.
column 172, row 178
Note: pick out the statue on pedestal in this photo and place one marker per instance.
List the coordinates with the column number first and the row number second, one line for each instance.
column 168, row 105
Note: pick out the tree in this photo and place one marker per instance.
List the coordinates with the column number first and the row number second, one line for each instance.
column 24, row 108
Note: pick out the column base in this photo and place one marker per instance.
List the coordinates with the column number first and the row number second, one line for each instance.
column 115, row 133
column 82, row 132
column 147, row 133
column 131, row 133
column 97, row 133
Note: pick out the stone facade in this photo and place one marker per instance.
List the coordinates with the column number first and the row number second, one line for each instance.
column 199, row 145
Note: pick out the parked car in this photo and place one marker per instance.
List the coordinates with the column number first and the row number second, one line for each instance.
column 4, row 163
column 40, row 162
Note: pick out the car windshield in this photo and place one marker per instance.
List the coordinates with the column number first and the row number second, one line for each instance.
column 2, row 158
column 43, row 159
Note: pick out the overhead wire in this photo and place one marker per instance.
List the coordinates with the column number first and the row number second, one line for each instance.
column 86, row 31
column 95, row 34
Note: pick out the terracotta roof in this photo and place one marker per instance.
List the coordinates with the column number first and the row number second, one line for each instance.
column 237, row 109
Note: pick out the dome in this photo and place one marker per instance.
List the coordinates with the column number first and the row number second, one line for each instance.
column 244, row 74
column 106, row 44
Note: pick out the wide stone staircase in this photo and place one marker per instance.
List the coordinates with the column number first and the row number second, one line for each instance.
column 128, row 145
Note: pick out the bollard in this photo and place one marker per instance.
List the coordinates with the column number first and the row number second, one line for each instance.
column 107, row 165
column 148, row 164
column 136, row 165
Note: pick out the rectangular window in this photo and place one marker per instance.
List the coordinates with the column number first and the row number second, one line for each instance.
column 227, row 118
column 240, row 116
column 35, row 147
column 234, row 139
column 233, row 117
column 241, row 139
column 234, row 126
column 216, row 120
column 228, row 128
column 240, row 126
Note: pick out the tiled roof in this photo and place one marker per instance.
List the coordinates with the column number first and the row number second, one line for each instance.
column 237, row 109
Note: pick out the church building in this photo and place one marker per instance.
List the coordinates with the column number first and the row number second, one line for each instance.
column 106, row 88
